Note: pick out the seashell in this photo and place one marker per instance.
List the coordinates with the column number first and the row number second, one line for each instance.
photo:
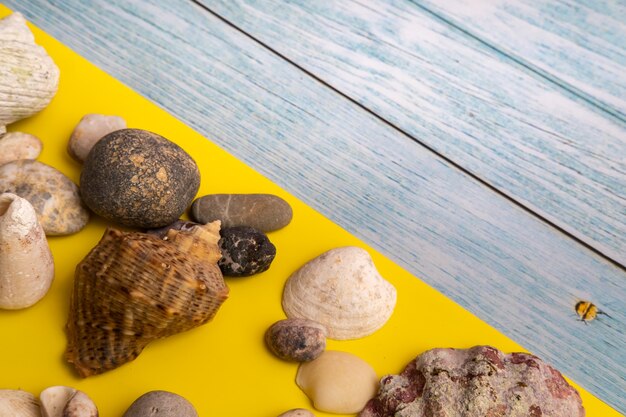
column 61, row 401
column 26, row 265
column 133, row 288
column 342, row 290
column 337, row 382
column 297, row 412
column 29, row 77
column 17, row 403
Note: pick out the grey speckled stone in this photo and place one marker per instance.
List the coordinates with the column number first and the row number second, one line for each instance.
column 54, row 196
column 245, row 251
column 266, row 212
column 161, row 404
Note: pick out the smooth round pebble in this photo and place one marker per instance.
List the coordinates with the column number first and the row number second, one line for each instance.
column 55, row 197
column 245, row 251
column 266, row 212
column 18, row 145
column 338, row 382
column 297, row 412
column 297, row 340
column 138, row 178
column 89, row 130
column 161, row 404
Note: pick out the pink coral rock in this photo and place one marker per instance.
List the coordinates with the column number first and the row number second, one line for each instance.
column 476, row 382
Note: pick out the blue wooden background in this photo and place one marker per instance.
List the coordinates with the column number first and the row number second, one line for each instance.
column 479, row 144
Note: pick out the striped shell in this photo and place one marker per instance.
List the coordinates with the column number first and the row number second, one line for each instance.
column 29, row 78
column 133, row 288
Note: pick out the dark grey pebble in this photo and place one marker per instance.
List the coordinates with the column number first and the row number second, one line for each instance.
column 245, row 251
column 138, row 178
column 266, row 212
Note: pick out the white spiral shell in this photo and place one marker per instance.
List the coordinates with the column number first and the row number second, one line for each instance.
column 29, row 78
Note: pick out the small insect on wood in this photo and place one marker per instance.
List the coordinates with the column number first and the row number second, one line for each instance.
column 587, row 311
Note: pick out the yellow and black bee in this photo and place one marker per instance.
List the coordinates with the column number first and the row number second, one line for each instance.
column 587, row 311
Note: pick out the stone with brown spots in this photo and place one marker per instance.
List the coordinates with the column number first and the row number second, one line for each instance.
column 138, row 178
column 55, row 197
column 477, row 382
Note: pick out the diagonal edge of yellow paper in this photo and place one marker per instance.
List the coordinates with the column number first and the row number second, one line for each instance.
column 222, row 367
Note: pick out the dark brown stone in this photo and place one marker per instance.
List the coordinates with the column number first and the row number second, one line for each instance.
column 138, row 178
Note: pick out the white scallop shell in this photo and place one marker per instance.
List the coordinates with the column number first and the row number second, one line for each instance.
column 29, row 77
column 16, row 403
column 26, row 265
column 342, row 290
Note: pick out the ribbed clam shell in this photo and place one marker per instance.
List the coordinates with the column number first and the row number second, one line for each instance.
column 342, row 290
column 17, row 403
column 29, row 77
column 133, row 288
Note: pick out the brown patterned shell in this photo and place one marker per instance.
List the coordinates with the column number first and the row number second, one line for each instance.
column 133, row 288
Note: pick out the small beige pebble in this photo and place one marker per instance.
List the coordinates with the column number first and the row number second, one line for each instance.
column 297, row 412
column 338, row 382
column 90, row 129
column 18, row 145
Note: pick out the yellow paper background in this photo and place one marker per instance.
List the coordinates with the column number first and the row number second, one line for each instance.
column 223, row 368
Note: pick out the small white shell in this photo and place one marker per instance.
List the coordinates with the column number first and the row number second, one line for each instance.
column 54, row 399
column 16, row 403
column 342, row 290
column 26, row 265
column 61, row 401
column 29, row 77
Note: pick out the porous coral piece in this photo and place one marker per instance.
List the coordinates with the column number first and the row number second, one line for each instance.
column 477, row 382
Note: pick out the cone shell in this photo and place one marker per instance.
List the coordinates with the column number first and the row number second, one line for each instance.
column 133, row 288
column 29, row 77
column 342, row 290
column 26, row 264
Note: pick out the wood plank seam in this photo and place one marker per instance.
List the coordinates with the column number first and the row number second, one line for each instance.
column 456, row 165
column 604, row 107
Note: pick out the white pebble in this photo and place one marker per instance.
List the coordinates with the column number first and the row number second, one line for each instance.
column 90, row 129
column 18, row 145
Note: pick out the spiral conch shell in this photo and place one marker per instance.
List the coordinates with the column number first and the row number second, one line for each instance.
column 342, row 290
column 133, row 288
column 26, row 264
column 29, row 77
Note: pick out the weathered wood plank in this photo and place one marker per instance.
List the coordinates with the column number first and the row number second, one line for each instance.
column 536, row 142
column 485, row 252
column 578, row 44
